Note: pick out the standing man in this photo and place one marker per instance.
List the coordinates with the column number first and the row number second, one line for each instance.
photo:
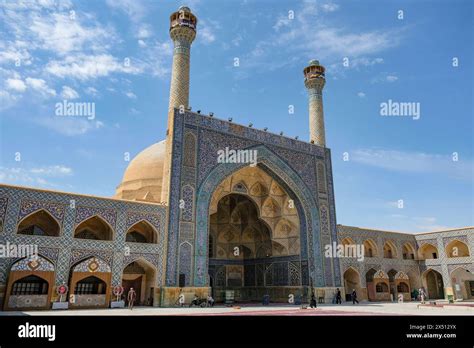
column 422, row 295
column 354, row 296
column 313, row 301
column 131, row 296
column 338, row 296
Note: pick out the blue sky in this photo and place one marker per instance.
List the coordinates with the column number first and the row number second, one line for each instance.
column 48, row 54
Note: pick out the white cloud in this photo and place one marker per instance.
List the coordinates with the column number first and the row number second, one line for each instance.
column 14, row 52
column 144, row 32
column 16, row 85
column 7, row 99
column 283, row 21
column 314, row 35
column 85, row 67
column 134, row 9
column 385, row 77
column 134, row 111
column 415, row 162
column 62, row 35
column 56, row 170
column 207, row 31
column 131, row 95
column 70, row 126
column 361, row 95
column 156, row 58
column 69, row 93
column 51, row 27
column 92, row 91
column 392, row 78
column 41, row 86
column 37, row 176
column 329, row 7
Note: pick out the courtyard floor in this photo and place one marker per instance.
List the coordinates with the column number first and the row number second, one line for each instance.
column 346, row 309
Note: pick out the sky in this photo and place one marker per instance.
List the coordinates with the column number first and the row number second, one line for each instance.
column 411, row 173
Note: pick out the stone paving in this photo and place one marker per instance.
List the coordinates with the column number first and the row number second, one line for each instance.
column 346, row 309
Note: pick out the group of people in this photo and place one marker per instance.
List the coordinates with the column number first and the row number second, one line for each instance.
column 338, row 297
column 419, row 294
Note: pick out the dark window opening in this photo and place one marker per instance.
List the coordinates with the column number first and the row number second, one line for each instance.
column 30, row 285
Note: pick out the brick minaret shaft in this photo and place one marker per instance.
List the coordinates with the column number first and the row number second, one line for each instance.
column 182, row 32
column 314, row 80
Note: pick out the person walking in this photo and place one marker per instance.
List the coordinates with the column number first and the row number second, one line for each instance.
column 422, row 295
column 354, row 297
column 210, row 301
column 313, row 301
column 131, row 296
column 338, row 296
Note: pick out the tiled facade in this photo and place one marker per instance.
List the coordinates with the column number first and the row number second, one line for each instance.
column 178, row 258
column 65, row 251
column 417, row 268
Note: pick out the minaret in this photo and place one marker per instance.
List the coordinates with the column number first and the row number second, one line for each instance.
column 314, row 81
column 182, row 32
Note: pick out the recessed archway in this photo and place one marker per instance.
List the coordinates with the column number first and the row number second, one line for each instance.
column 433, row 281
column 142, row 232
column 456, row 248
column 30, row 284
column 408, row 251
column 427, row 251
column 39, row 223
column 463, row 284
column 248, row 233
column 370, row 248
column 349, row 247
column 297, row 192
column 389, row 250
column 141, row 276
column 94, row 228
column 352, row 282
column 392, row 283
column 89, row 283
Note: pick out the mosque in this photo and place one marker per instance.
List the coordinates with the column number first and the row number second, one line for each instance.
column 184, row 222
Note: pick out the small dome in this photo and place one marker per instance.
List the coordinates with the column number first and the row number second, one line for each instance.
column 314, row 62
column 142, row 179
column 184, row 9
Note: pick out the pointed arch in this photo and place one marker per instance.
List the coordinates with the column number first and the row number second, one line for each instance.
column 389, row 250
column 352, row 280
column 408, row 251
column 433, row 283
column 428, row 251
column 94, row 227
column 89, row 282
column 185, row 264
column 39, row 223
column 33, row 263
column 370, row 248
column 142, row 232
column 298, row 190
column 462, row 278
column 145, row 264
column 457, row 248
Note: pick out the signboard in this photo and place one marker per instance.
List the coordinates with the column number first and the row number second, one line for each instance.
column 118, row 291
column 62, row 290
